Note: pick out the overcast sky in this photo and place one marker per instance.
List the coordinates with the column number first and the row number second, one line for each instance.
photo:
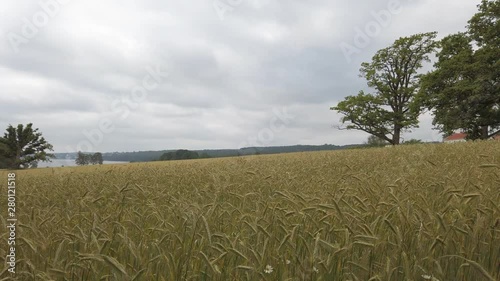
column 129, row 75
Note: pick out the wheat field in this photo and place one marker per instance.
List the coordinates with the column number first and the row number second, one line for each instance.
column 420, row 212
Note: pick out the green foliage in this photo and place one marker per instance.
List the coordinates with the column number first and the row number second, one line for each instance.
column 393, row 74
column 484, row 27
column 413, row 141
column 146, row 156
column 374, row 141
column 4, row 161
column 83, row 159
column 463, row 91
column 181, row 154
column 204, row 155
column 97, row 159
column 22, row 147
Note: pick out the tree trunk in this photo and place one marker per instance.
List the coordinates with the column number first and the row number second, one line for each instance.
column 17, row 162
column 397, row 135
column 484, row 132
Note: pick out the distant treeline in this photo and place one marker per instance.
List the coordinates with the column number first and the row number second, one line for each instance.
column 182, row 154
column 145, row 156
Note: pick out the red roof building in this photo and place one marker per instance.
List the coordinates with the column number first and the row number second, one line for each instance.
column 458, row 137
column 461, row 137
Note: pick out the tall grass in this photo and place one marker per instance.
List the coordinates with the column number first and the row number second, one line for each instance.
column 423, row 212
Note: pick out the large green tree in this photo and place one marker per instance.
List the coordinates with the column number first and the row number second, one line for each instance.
column 393, row 74
column 463, row 90
column 22, row 147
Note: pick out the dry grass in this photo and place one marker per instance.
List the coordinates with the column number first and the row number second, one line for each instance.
column 407, row 213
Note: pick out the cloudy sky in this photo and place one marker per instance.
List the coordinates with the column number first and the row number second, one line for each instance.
column 129, row 75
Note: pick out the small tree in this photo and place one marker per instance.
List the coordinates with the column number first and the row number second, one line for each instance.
column 97, row 159
column 413, row 141
column 82, row 159
column 22, row 147
column 375, row 141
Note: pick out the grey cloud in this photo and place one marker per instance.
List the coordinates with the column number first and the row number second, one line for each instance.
column 226, row 77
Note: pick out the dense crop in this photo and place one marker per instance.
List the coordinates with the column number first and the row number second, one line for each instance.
column 422, row 212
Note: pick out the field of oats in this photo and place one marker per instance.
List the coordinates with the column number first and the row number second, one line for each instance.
column 423, row 212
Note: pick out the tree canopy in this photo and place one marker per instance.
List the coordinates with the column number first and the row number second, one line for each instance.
column 463, row 91
column 23, row 147
column 393, row 74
